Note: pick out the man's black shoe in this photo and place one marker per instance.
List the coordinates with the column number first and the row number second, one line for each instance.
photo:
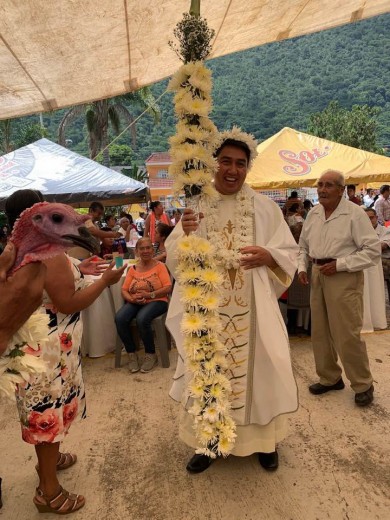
column 269, row 461
column 365, row 398
column 199, row 463
column 318, row 388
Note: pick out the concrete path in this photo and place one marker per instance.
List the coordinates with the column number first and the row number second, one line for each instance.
column 334, row 464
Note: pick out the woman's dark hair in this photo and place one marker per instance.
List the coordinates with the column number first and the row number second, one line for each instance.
column 307, row 204
column 19, row 201
column 294, row 207
column 164, row 230
column 153, row 205
column 96, row 206
column 237, row 144
column 123, row 214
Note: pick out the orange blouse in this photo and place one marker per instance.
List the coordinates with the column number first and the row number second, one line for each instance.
column 156, row 278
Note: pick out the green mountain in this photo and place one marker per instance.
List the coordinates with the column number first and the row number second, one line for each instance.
column 279, row 84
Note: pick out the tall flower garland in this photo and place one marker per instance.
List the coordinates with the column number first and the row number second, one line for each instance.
column 21, row 361
column 198, row 275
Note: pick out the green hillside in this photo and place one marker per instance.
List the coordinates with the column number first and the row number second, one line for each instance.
column 280, row 84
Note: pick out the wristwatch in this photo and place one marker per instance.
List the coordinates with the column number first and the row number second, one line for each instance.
column 152, row 295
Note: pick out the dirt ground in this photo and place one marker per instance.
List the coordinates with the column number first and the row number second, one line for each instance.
column 333, row 465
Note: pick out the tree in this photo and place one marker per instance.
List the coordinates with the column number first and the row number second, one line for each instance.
column 120, row 155
column 27, row 134
column 99, row 114
column 12, row 136
column 356, row 127
column 136, row 173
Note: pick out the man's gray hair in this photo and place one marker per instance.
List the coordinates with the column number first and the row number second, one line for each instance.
column 340, row 176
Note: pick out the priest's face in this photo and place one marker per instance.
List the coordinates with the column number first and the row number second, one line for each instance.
column 232, row 170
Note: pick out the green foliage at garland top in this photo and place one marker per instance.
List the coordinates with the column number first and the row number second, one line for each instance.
column 276, row 85
column 194, row 37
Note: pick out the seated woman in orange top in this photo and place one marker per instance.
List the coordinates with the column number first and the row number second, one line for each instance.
column 145, row 292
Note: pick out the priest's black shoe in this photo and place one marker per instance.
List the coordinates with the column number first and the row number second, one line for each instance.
column 199, row 463
column 269, row 461
column 365, row 398
column 318, row 388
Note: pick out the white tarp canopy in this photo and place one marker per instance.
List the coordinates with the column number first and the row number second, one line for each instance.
column 65, row 176
column 59, row 53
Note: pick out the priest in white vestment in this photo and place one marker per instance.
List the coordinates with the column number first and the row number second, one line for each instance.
column 259, row 364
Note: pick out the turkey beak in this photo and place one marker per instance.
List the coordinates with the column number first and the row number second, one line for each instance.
column 84, row 239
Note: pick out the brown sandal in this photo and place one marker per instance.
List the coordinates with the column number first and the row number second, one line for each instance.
column 63, row 503
column 65, row 461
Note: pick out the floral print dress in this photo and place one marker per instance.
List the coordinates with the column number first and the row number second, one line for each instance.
column 50, row 403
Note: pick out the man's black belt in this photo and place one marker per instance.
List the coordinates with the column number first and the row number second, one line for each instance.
column 322, row 261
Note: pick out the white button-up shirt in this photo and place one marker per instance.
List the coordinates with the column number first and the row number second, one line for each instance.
column 382, row 208
column 347, row 235
column 384, row 236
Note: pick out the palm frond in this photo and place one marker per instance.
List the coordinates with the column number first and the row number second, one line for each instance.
column 90, row 119
column 145, row 100
column 128, row 118
column 70, row 116
column 114, row 117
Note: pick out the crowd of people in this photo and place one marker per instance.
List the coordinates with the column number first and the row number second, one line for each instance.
column 336, row 238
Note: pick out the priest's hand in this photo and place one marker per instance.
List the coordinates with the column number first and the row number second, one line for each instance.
column 303, row 279
column 190, row 220
column 256, row 256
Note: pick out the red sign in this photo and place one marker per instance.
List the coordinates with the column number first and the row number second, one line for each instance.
column 301, row 161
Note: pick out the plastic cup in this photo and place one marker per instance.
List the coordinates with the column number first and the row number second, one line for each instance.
column 118, row 262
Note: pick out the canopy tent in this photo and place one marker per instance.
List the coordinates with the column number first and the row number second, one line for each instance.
column 294, row 159
column 65, row 176
column 61, row 53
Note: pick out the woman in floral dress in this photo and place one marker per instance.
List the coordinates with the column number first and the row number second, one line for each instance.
column 53, row 400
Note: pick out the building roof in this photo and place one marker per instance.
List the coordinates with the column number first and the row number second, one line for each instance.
column 159, row 158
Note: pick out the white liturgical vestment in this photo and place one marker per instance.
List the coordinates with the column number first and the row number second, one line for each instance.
column 260, row 372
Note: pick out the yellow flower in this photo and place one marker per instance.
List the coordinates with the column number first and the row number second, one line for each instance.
column 190, row 105
column 210, row 302
column 216, row 391
column 206, row 435
column 204, row 247
column 192, row 323
column 192, row 294
column 178, row 78
column 211, row 414
column 196, row 389
column 207, row 124
column 201, row 82
column 225, row 446
column 211, row 277
column 185, row 245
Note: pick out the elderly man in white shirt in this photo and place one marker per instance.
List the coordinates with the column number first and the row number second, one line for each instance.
column 338, row 238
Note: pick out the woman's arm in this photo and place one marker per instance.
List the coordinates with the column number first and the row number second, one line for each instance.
column 60, row 286
column 161, row 257
column 147, row 227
